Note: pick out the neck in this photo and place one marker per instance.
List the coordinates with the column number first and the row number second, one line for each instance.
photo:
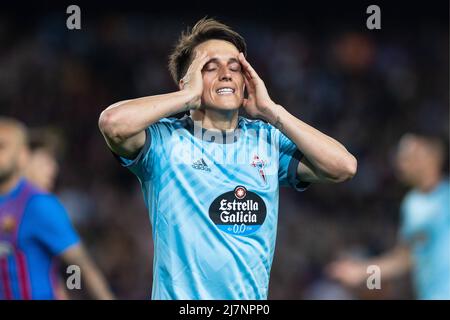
column 8, row 184
column 429, row 181
column 216, row 119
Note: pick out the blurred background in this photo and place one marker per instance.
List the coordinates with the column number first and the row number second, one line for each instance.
column 365, row 88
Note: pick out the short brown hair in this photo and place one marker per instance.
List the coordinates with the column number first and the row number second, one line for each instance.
column 51, row 139
column 205, row 29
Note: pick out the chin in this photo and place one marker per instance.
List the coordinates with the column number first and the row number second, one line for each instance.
column 226, row 106
column 407, row 180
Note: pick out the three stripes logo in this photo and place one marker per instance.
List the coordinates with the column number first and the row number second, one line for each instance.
column 201, row 165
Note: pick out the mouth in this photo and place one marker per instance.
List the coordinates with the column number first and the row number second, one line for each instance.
column 225, row 91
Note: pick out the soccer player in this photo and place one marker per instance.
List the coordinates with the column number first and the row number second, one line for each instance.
column 44, row 148
column 35, row 229
column 424, row 238
column 211, row 179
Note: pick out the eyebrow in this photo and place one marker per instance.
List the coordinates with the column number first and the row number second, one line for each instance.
column 231, row 60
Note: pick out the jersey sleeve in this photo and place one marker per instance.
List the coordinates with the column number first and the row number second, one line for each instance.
column 404, row 229
column 289, row 158
column 143, row 164
column 51, row 224
column 416, row 222
column 408, row 229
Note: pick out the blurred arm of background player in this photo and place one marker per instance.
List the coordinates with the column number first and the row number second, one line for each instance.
column 123, row 124
column 45, row 147
column 92, row 277
column 419, row 163
column 353, row 272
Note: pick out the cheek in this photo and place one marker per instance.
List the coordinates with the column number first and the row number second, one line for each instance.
column 14, row 159
column 47, row 172
column 240, row 79
column 402, row 166
column 240, row 83
column 409, row 167
column 207, row 81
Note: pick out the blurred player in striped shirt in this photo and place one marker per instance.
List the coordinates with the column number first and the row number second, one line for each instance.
column 35, row 231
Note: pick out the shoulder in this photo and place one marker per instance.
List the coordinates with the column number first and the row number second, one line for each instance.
column 44, row 205
column 254, row 123
column 39, row 199
column 33, row 189
column 442, row 194
column 257, row 125
column 166, row 126
column 444, row 186
column 409, row 198
column 170, row 123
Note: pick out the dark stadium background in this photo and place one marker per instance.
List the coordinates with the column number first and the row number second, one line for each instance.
column 365, row 88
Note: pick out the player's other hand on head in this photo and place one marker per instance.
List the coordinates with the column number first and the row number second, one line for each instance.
column 349, row 272
column 258, row 104
column 192, row 82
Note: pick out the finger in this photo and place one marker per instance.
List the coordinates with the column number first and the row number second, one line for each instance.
column 199, row 61
column 249, row 76
column 199, row 58
column 248, row 86
column 246, row 75
column 202, row 61
column 247, row 66
column 204, row 55
column 244, row 63
column 200, row 54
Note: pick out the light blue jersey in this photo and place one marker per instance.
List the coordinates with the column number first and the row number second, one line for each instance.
column 426, row 228
column 213, row 203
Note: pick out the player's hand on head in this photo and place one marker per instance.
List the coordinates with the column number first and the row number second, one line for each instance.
column 193, row 79
column 258, row 104
column 349, row 272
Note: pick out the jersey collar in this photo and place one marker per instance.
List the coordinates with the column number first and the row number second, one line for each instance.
column 214, row 136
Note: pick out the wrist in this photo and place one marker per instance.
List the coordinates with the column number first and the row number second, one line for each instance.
column 191, row 99
column 274, row 113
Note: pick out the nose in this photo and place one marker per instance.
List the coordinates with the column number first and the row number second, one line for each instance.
column 225, row 74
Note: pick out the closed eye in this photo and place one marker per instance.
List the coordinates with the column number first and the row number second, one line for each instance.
column 210, row 67
column 236, row 67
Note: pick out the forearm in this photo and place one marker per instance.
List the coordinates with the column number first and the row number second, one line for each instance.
column 91, row 277
column 125, row 119
column 95, row 283
column 326, row 154
column 393, row 263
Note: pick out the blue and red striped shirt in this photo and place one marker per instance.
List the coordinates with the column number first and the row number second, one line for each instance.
column 34, row 228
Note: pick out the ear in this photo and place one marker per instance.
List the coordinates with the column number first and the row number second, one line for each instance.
column 24, row 157
column 181, row 84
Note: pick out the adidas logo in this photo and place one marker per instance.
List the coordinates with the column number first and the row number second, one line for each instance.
column 201, row 165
